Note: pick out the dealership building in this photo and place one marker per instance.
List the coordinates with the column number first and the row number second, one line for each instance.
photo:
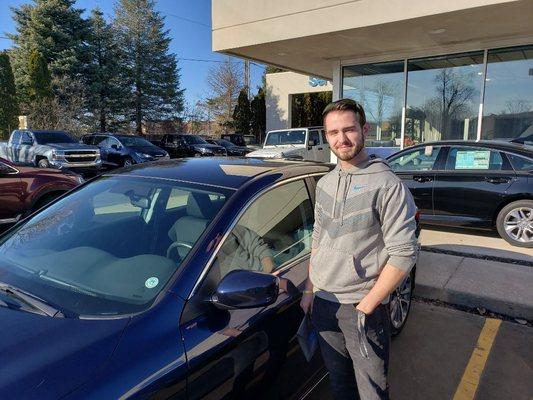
column 423, row 70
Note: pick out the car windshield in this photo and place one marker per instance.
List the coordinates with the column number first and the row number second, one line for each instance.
column 285, row 137
column 191, row 139
column 134, row 141
column 52, row 137
column 110, row 247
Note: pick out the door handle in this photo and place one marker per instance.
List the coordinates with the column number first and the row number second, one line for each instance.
column 497, row 180
column 422, row 179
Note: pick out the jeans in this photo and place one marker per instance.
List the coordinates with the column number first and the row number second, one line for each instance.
column 357, row 363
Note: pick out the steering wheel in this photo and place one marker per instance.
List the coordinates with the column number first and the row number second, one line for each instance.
column 175, row 245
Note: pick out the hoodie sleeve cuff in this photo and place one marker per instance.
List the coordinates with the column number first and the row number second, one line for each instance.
column 403, row 263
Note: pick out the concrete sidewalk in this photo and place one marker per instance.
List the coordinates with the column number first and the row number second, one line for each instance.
column 503, row 288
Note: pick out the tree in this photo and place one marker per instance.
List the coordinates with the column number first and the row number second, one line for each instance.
column 153, row 75
column 225, row 81
column 56, row 30
column 9, row 109
column 103, row 75
column 242, row 114
column 39, row 79
column 258, row 115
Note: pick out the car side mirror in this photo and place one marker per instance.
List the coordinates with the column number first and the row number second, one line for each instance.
column 241, row 289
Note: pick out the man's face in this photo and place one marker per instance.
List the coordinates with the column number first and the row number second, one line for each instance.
column 345, row 135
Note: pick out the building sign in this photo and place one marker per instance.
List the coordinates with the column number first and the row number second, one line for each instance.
column 314, row 82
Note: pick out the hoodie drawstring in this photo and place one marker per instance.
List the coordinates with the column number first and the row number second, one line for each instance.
column 335, row 197
column 347, row 185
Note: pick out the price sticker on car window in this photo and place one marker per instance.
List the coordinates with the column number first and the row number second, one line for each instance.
column 472, row 159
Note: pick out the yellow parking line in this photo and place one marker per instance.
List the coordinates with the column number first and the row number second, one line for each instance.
column 470, row 380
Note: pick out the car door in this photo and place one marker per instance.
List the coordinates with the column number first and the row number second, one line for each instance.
column 326, row 154
column 416, row 168
column 470, row 187
column 115, row 151
column 11, row 193
column 253, row 353
column 26, row 147
column 315, row 151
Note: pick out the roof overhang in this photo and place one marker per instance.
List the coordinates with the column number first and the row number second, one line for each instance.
column 310, row 36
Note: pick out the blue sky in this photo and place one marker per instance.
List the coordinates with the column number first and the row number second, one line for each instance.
column 190, row 29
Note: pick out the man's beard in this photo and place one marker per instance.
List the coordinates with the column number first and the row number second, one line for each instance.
column 351, row 154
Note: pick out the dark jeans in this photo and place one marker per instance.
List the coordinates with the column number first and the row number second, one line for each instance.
column 354, row 365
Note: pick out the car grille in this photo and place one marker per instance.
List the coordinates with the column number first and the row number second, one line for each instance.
column 80, row 156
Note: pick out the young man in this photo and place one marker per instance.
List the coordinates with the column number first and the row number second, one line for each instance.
column 364, row 244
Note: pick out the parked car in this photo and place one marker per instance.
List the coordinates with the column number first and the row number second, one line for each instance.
column 179, row 145
column 150, row 282
column 482, row 185
column 51, row 149
column 124, row 150
column 296, row 143
column 231, row 148
column 26, row 189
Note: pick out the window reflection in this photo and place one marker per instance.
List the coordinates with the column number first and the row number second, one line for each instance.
column 443, row 95
column 379, row 88
column 508, row 106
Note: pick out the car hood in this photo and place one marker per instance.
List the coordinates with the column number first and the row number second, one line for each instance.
column 151, row 150
column 212, row 147
column 70, row 146
column 46, row 358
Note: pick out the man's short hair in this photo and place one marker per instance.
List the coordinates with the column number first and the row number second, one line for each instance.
column 345, row 105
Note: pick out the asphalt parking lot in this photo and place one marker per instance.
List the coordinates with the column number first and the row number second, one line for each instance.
column 447, row 354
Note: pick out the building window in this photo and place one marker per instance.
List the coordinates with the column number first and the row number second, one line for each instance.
column 380, row 89
column 443, row 96
column 508, row 105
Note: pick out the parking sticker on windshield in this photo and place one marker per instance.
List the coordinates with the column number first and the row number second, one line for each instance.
column 151, row 282
column 472, row 159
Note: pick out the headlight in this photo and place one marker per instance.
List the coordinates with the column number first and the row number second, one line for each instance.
column 144, row 155
column 58, row 155
column 204, row 150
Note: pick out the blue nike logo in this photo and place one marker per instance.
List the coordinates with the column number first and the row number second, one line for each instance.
column 359, row 187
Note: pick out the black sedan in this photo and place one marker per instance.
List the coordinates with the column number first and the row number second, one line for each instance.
column 231, row 148
column 483, row 185
column 175, row 279
column 181, row 145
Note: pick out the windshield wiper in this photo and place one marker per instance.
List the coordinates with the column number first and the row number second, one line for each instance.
column 31, row 300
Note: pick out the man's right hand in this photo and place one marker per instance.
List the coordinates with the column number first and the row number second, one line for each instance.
column 307, row 302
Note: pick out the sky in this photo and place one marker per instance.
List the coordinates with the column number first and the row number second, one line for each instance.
column 189, row 23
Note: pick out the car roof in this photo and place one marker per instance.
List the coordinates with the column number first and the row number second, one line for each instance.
column 296, row 129
column 503, row 145
column 228, row 172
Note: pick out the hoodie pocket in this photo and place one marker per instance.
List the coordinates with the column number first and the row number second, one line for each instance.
column 366, row 264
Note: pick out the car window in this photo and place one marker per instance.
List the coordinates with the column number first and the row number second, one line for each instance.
column 87, row 139
column 273, row 231
column 473, row 158
column 323, row 136
column 521, row 163
column 313, row 135
column 26, row 137
column 110, row 247
column 419, row 159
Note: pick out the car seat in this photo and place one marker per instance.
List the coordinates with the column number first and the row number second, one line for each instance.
column 187, row 229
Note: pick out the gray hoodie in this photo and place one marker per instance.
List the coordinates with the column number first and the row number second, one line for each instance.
column 364, row 219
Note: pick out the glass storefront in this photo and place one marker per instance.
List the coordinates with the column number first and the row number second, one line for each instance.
column 443, row 96
column 379, row 88
column 508, row 105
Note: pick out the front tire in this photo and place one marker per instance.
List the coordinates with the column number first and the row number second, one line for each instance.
column 400, row 303
column 43, row 163
column 515, row 223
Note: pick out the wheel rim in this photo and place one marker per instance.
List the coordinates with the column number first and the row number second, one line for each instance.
column 127, row 163
column 399, row 304
column 518, row 224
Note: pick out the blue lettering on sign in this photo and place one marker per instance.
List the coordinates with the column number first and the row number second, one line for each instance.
column 314, row 82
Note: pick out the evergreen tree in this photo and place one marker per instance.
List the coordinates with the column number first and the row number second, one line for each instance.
column 103, row 75
column 39, row 85
column 56, row 30
column 152, row 71
column 9, row 109
column 242, row 114
column 258, row 111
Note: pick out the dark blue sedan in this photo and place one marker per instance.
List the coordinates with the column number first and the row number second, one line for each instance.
column 175, row 279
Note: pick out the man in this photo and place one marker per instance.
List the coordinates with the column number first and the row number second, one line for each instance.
column 364, row 245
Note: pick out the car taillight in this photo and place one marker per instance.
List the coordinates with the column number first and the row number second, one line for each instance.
column 417, row 216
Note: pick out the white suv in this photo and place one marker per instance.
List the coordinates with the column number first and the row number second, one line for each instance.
column 297, row 143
